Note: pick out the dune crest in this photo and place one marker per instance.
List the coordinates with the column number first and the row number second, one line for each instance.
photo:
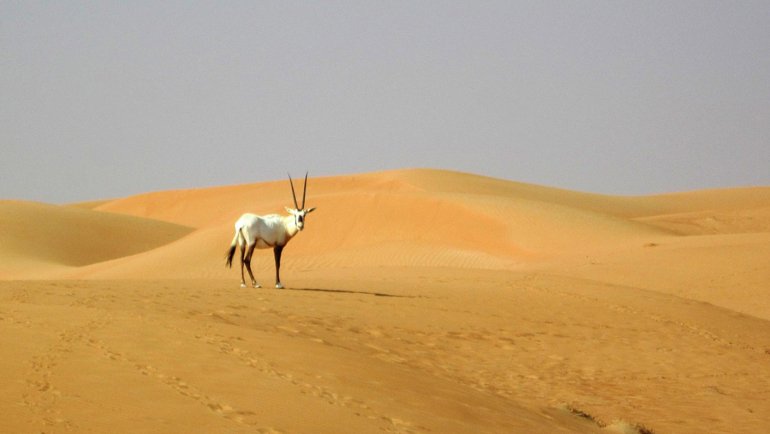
column 416, row 217
column 417, row 301
column 37, row 238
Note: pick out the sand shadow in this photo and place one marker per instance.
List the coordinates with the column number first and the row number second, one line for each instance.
column 347, row 291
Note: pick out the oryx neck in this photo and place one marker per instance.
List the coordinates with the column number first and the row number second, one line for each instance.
column 290, row 222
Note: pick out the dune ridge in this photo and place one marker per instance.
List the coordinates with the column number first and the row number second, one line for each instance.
column 38, row 239
column 506, row 224
column 417, row 301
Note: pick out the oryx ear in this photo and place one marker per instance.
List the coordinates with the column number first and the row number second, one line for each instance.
column 310, row 210
column 290, row 211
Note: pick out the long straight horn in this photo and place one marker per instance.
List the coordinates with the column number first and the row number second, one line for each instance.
column 293, row 195
column 304, row 190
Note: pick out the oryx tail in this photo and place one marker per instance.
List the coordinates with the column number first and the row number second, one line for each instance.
column 231, row 251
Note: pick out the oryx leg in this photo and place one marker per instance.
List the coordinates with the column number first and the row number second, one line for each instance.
column 248, row 265
column 277, row 253
column 243, row 252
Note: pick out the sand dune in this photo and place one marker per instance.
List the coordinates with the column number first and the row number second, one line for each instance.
column 37, row 239
column 420, row 218
column 741, row 220
column 418, row 301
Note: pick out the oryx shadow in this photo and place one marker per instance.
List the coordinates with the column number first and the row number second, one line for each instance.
column 348, row 291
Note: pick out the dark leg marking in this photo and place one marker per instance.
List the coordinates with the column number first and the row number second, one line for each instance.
column 277, row 253
column 248, row 264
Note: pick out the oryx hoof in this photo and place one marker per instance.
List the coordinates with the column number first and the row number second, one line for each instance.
column 256, row 285
column 243, row 285
column 279, row 285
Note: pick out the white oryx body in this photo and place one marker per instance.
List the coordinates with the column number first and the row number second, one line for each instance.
column 269, row 231
column 266, row 231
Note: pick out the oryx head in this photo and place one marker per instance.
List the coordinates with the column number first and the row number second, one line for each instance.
column 299, row 212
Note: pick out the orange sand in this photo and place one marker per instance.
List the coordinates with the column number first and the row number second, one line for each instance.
column 417, row 301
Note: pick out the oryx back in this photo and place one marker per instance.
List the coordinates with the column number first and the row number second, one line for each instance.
column 265, row 231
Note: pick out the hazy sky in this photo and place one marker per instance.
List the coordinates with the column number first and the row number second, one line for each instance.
column 107, row 99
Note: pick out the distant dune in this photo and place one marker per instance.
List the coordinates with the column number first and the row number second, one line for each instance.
column 422, row 218
column 37, row 239
column 422, row 300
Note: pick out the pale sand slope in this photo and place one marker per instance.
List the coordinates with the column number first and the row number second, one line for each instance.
column 39, row 240
column 422, row 301
column 403, row 218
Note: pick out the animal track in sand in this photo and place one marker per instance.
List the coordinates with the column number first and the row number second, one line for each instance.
column 627, row 310
column 305, row 384
column 42, row 397
column 243, row 417
column 230, row 346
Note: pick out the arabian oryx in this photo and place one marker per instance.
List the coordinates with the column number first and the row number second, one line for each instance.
column 268, row 231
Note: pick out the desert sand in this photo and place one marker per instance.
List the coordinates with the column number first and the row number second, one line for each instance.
column 417, row 301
